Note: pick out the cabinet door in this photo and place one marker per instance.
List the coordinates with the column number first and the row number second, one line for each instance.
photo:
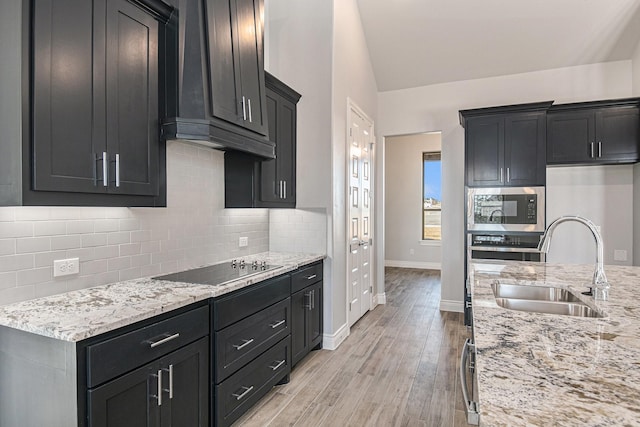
column 315, row 316
column 485, row 151
column 299, row 330
column 525, row 149
column 68, row 99
column 247, row 17
column 132, row 99
column 129, row 401
column 186, row 398
column 617, row 134
column 570, row 136
column 277, row 176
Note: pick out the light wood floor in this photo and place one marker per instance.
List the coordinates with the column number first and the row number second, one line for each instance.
column 399, row 367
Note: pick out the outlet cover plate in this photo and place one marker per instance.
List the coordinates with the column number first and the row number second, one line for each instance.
column 243, row 242
column 66, row 267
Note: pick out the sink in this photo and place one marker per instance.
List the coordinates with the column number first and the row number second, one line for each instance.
column 537, row 293
column 550, row 307
column 541, row 299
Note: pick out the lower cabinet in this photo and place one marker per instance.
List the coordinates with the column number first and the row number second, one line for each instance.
column 171, row 391
column 306, row 321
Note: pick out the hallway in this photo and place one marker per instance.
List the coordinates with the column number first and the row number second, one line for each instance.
column 399, row 367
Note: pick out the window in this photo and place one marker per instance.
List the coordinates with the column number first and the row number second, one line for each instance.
column 432, row 196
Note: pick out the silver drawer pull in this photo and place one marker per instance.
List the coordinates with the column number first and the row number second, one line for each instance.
column 154, row 344
column 246, row 391
column 313, row 276
column 243, row 345
column 159, row 395
column 105, row 169
column 280, row 363
column 170, row 389
column 275, row 325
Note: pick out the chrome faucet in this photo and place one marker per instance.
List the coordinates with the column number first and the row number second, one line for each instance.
column 599, row 285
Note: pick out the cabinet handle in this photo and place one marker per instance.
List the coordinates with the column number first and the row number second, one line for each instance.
column 593, row 156
column 249, row 102
column 280, row 189
column 171, row 381
column 313, row 276
column 105, row 169
column 501, row 179
column 117, row 170
column 275, row 325
column 244, row 109
column 599, row 148
column 313, row 299
column 308, row 304
column 277, row 365
column 508, row 174
column 243, row 345
column 154, row 344
column 284, row 193
column 246, row 391
column 159, row 387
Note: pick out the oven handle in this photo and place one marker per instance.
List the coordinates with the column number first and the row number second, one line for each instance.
column 505, row 249
column 471, row 407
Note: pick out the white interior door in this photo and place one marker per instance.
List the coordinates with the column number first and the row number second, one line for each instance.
column 360, row 221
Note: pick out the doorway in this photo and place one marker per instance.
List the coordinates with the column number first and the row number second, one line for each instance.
column 360, row 151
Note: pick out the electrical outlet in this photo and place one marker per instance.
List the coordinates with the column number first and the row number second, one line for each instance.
column 619, row 255
column 66, row 267
column 412, row 252
column 243, row 242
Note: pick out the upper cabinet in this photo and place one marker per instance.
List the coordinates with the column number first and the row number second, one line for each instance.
column 236, row 62
column 91, row 103
column 251, row 182
column 603, row 132
column 505, row 146
column 220, row 85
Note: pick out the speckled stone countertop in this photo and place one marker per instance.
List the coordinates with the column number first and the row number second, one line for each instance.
column 77, row 315
column 551, row 370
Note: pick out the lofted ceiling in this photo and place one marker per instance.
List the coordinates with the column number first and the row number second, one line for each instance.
column 422, row 42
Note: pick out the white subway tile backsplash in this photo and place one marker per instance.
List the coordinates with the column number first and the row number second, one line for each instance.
column 123, row 243
column 66, row 242
column 33, row 244
column 299, row 230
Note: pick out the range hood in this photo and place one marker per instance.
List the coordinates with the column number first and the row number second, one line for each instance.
column 189, row 103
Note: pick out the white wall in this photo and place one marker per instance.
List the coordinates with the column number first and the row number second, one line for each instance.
column 116, row 244
column 436, row 107
column 318, row 48
column 604, row 194
column 352, row 79
column 403, row 244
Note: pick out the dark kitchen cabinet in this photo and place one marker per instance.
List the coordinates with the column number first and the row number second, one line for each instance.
column 171, row 391
column 251, row 182
column 505, row 146
column 93, row 73
column 236, row 61
column 306, row 311
column 602, row 132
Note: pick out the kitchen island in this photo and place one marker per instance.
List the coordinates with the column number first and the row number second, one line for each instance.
column 557, row 370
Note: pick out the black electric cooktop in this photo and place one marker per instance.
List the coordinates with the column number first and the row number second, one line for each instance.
column 219, row 274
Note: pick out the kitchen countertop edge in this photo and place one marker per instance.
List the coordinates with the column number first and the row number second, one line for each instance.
column 77, row 315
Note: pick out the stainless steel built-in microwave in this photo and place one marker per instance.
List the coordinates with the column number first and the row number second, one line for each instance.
column 506, row 209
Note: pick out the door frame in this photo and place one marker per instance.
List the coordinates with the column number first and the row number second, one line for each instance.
column 353, row 106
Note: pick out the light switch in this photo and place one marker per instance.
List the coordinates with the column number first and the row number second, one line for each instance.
column 243, row 242
column 619, row 255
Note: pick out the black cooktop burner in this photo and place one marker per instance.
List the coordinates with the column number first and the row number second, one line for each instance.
column 220, row 273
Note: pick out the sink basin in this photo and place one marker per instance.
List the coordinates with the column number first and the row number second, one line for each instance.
column 550, row 307
column 536, row 293
column 541, row 299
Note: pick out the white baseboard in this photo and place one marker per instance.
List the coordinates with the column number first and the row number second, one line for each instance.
column 380, row 298
column 331, row 342
column 450, row 305
column 413, row 264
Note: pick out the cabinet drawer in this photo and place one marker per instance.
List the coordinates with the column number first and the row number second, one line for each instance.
column 241, row 342
column 123, row 353
column 227, row 310
column 306, row 276
column 244, row 388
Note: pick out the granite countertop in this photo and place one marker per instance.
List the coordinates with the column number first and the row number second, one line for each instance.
column 553, row 370
column 77, row 315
